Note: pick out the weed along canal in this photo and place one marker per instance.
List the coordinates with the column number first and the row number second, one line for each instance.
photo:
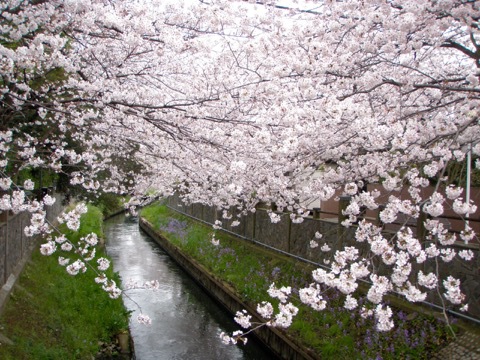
column 186, row 321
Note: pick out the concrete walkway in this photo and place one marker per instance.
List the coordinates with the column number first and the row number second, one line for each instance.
column 465, row 347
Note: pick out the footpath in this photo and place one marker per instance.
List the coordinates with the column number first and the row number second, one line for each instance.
column 465, row 347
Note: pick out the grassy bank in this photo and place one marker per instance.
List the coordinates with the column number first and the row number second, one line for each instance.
column 109, row 204
column 332, row 333
column 52, row 315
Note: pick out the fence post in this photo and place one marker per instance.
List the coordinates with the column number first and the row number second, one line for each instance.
column 342, row 205
column 22, row 240
column 289, row 245
column 5, row 273
column 421, row 231
column 254, row 224
column 380, row 209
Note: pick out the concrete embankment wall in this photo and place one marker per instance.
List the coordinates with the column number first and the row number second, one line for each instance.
column 279, row 343
column 15, row 247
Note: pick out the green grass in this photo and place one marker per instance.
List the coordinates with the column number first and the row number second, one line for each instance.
column 53, row 315
column 110, row 204
column 90, row 222
column 332, row 333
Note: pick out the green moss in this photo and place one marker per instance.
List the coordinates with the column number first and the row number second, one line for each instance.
column 55, row 75
column 330, row 350
column 109, row 204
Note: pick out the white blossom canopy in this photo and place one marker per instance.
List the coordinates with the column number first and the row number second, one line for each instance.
column 233, row 102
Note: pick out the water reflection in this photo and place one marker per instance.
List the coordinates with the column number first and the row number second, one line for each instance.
column 185, row 320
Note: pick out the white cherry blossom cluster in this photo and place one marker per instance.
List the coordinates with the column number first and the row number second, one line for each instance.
column 232, row 340
column 214, row 241
column 144, row 319
column 72, row 218
column 243, row 319
column 463, row 208
column 281, row 294
column 350, row 303
column 265, row 310
column 430, row 280
column 111, row 288
column 383, row 318
column 103, row 264
column 325, row 248
column 312, row 296
column 76, row 267
column 48, row 248
column 285, row 316
column 453, row 292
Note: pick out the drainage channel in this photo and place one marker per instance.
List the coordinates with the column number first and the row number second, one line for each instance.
column 186, row 321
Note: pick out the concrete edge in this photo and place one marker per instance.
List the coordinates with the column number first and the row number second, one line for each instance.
column 7, row 288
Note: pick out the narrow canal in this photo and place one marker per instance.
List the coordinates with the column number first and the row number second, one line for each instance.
column 186, row 322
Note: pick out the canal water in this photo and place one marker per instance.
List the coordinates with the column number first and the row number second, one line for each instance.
column 186, row 321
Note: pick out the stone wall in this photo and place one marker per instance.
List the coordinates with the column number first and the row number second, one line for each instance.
column 294, row 239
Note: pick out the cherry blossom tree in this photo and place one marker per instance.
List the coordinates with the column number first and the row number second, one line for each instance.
column 230, row 103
